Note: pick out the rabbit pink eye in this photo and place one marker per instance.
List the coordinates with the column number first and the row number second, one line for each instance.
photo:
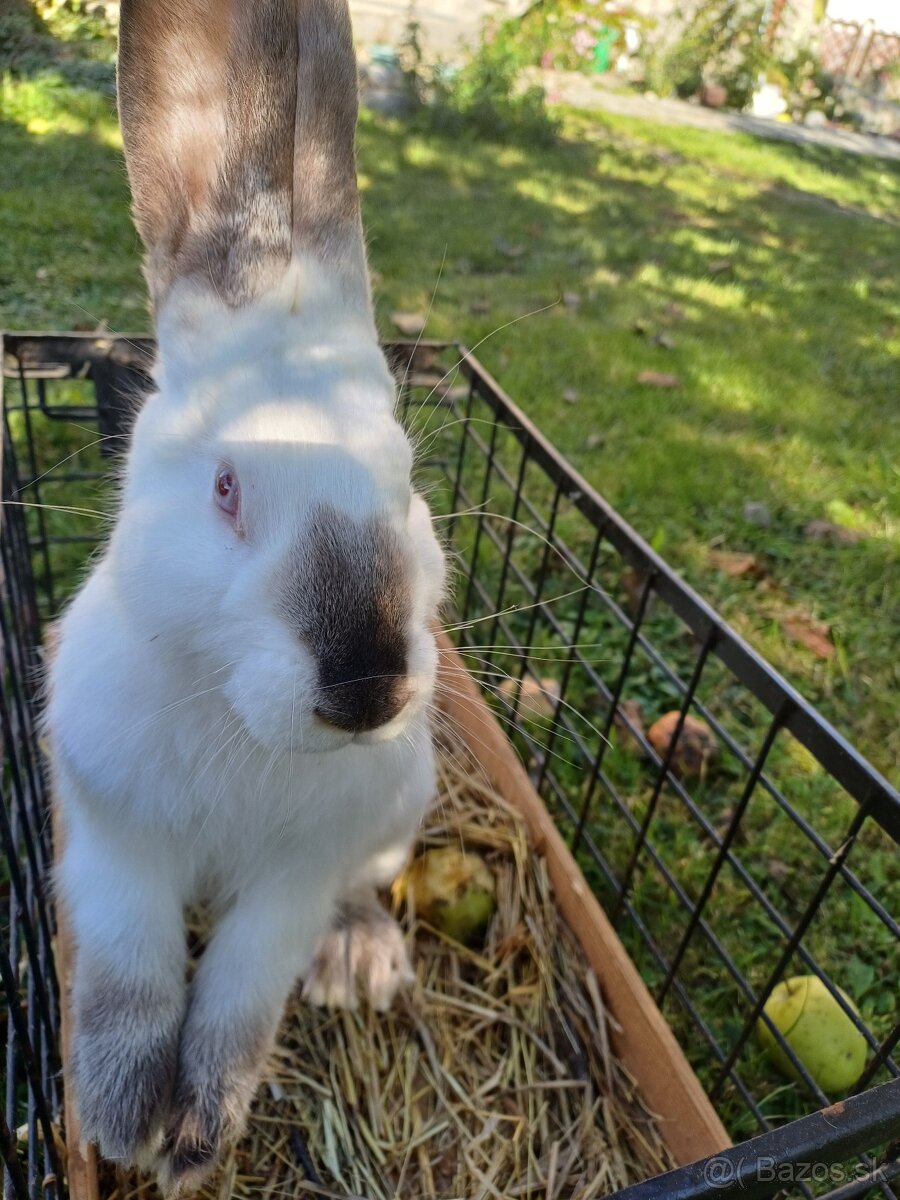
column 227, row 491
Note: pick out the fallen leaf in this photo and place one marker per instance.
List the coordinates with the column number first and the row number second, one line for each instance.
column 535, row 698
column 719, row 266
column 664, row 341
column 814, row 635
column 502, row 246
column 757, row 513
column 778, row 870
column 735, row 564
column 594, row 441
column 695, row 747
column 828, row 531
column 409, row 324
column 659, row 379
column 674, row 311
column 641, row 328
column 570, row 396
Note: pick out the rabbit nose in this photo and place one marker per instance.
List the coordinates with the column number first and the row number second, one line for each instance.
column 361, row 705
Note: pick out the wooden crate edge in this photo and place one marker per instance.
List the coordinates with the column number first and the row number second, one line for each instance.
column 646, row 1045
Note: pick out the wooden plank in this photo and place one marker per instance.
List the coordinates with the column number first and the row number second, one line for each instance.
column 645, row 1044
column 81, row 1157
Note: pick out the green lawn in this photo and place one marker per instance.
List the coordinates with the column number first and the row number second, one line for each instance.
column 762, row 276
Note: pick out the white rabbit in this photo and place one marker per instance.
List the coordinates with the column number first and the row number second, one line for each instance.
column 238, row 705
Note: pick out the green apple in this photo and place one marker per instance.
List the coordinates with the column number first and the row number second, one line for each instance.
column 453, row 890
column 818, row 1031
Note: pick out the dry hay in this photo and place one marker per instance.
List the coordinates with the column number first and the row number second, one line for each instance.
column 492, row 1077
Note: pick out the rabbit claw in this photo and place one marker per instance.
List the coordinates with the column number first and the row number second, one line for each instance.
column 191, row 1150
column 364, row 950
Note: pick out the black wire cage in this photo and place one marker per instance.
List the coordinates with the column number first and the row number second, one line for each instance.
column 764, row 850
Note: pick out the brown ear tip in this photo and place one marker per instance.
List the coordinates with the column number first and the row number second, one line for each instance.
column 268, row 91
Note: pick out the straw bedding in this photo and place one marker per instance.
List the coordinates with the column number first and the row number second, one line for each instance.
column 492, row 1077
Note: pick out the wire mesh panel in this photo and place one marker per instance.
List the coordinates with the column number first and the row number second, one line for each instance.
column 733, row 836
column 31, row 1116
column 735, row 839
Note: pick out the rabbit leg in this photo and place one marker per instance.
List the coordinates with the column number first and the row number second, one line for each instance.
column 127, row 990
column 237, row 997
column 363, row 948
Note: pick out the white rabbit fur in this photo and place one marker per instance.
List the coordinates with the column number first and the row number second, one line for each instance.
column 176, row 684
column 151, row 654
column 188, row 760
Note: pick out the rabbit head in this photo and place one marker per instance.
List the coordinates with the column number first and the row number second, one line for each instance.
column 269, row 525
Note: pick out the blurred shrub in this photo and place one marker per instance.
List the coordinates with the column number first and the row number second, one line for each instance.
column 67, row 38
column 723, row 42
column 483, row 96
column 22, row 35
column 808, row 87
column 714, row 42
column 90, row 23
column 569, row 35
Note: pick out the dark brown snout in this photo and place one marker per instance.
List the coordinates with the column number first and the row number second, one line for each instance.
column 347, row 596
column 359, row 706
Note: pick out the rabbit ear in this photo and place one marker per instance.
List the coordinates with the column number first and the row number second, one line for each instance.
column 239, row 120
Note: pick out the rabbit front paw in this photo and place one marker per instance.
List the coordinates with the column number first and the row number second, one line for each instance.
column 193, row 1144
column 363, row 949
column 122, row 1067
column 217, row 1077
